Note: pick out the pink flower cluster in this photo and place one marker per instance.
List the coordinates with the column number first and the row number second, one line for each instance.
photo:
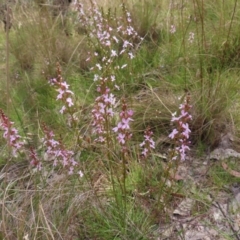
column 113, row 37
column 123, row 128
column 148, row 143
column 64, row 94
column 172, row 29
column 103, row 111
column 181, row 133
column 15, row 142
column 56, row 152
column 109, row 33
column 10, row 134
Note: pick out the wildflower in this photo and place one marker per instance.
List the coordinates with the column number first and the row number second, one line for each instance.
column 128, row 17
column 69, row 101
column 64, row 94
column 123, row 129
column 191, row 37
column 98, row 66
column 119, row 28
column 173, row 133
column 113, row 78
column 10, row 134
column 56, row 152
column 62, row 110
column 121, row 138
column 186, row 130
column 172, row 29
column 117, row 87
column 145, row 152
column 80, row 173
column 130, row 30
column 115, row 39
column 148, row 143
column 126, row 44
column 107, row 40
column 181, row 133
column 96, row 77
column 130, row 54
column 103, row 111
column 123, row 66
column 108, row 43
column 113, row 53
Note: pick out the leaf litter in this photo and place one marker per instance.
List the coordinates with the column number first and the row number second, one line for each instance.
column 220, row 217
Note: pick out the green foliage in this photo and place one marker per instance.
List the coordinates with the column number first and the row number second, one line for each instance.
column 221, row 178
column 122, row 195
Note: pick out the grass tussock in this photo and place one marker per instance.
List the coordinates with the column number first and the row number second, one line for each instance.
column 41, row 47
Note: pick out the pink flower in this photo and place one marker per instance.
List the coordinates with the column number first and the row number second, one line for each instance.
column 98, row 66
column 60, row 95
column 180, row 134
column 123, row 66
column 131, row 55
column 56, row 152
column 123, row 128
column 148, row 144
column 121, row 138
column 145, row 152
column 10, row 134
column 172, row 29
column 113, row 78
column 62, row 110
column 63, row 91
column 130, row 112
column 125, row 123
column 69, row 101
column 103, row 111
column 118, row 127
column 186, row 130
column 115, row 39
column 113, row 53
column 80, row 173
column 173, row 133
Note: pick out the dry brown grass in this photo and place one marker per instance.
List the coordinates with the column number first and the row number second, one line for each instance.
column 33, row 206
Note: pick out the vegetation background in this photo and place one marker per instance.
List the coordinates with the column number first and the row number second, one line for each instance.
column 70, row 178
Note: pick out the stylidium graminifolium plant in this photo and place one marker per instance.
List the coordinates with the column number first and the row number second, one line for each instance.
column 180, row 134
column 110, row 38
column 55, row 152
column 10, row 133
column 113, row 37
column 148, row 144
column 123, row 129
column 65, row 95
